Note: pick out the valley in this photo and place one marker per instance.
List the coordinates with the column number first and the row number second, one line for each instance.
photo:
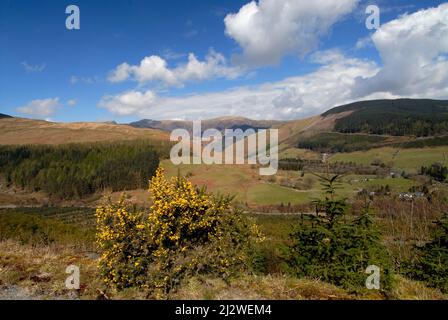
column 375, row 164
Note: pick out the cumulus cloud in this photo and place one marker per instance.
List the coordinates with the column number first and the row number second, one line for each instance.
column 155, row 69
column 130, row 102
column 40, row 107
column 414, row 63
column 413, row 49
column 290, row 98
column 270, row 29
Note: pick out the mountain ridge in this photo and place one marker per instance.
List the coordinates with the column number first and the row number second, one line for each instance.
column 2, row 115
column 219, row 123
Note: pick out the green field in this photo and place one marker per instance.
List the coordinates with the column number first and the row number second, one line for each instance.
column 248, row 187
column 404, row 159
column 267, row 193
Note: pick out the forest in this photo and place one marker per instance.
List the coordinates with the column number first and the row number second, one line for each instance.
column 400, row 117
column 77, row 170
column 337, row 142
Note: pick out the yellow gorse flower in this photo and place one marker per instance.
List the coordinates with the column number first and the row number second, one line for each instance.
column 185, row 231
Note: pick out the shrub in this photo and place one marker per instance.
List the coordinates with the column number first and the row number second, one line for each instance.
column 324, row 246
column 432, row 266
column 436, row 171
column 37, row 229
column 187, row 232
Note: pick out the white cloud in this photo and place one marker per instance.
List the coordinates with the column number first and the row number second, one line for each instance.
column 291, row 98
column 33, row 68
column 40, row 107
column 130, row 102
column 270, row 29
column 364, row 42
column 413, row 49
column 155, row 69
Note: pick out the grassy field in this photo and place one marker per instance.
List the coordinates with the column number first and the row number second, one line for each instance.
column 299, row 153
column 404, row 159
column 243, row 181
column 268, row 193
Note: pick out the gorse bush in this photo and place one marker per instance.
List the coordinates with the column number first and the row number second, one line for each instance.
column 328, row 247
column 187, row 232
column 432, row 265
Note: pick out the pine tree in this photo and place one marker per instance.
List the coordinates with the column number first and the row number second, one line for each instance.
column 327, row 247
column 433, row 265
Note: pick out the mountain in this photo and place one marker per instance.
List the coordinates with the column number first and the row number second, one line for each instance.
column 4, row 116
column 220, row 123
column 396, row 121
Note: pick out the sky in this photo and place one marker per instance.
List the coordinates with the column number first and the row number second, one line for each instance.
column 199, row 59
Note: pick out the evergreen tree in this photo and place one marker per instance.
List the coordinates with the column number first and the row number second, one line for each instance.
column 433, row 263
column 328, row 247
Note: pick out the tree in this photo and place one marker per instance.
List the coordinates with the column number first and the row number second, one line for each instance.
column 432, row 266
column 325, row 246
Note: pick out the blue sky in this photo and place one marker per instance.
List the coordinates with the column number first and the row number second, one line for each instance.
column 263, row 69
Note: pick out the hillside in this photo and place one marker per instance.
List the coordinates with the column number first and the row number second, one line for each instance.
column 220, row 123
column 4, row 116
column 403, row 123
column 27, row 131
column 418, row 117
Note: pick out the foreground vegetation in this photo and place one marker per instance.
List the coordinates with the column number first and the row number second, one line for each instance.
column 186, row 233
column 302, row 257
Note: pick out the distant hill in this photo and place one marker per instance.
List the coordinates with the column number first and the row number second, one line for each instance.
column 4, row 116
column 220, row 123
column 416, row 117
column 360, row 125
column 27, row 131
column 399, row 121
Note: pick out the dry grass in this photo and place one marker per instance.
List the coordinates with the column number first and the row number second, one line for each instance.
column 30, row 272
column 293, row 128
column 260, row 288
column 38, row 272
column 406, row 289
column 26, row 131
